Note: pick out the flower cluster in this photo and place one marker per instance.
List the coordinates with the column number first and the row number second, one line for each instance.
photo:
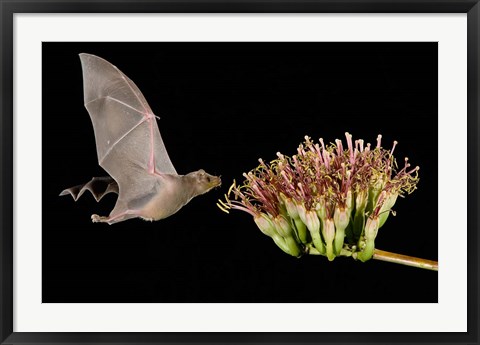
column 326, row 199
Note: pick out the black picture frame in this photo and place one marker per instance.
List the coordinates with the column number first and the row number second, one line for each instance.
column 9, row 8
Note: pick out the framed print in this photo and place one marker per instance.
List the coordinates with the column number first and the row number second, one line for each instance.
column 184, row 265
column 187, row 114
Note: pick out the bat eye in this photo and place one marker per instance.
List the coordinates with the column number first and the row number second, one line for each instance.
column 208, row 179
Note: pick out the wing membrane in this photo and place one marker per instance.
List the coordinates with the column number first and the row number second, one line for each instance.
column 123, row 122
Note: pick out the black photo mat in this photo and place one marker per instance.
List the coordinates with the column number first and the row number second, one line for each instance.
column 222, row 106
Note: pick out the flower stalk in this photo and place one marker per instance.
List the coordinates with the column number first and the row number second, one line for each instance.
column 405, row 260
column 326, row 200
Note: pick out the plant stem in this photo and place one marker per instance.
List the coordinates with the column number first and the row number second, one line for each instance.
column 393, row 257
column 405, row 260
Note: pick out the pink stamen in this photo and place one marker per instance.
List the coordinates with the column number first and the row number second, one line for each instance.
column 339, row 146
column 379, row 141
column 393, row 148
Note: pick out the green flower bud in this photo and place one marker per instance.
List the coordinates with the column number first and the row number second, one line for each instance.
column 313, row 224
column 293, row 247
column 371, row 229
column 367, row 252
column 265, row 224
column 291, row 208
column 280, row 231
column 301, row 229
column 329, row 235
column 359, row 218
column 282, row 226
column 361, row 200
column 341, row 219
column 349, row 202
column 329, row 230
column 288, row 245
column 350, row 207
column 321, row 209
column 302, row 211
column 301, row 221
column 390, row 200
column 374, row 193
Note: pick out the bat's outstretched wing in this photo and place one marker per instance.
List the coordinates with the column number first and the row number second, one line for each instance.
column 98, row 186
column 122, row 120
column 129, row 145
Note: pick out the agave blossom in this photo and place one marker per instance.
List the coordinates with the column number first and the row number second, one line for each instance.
column 325, row 199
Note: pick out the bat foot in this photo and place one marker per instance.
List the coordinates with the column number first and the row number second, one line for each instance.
column 115, row 218
column 99, row 219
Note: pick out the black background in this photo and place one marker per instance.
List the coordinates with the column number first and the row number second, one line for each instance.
column 222, row 106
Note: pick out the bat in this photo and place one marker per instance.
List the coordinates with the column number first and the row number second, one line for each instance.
column 131, row 150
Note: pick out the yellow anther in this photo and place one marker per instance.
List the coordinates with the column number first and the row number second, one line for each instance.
column 223, row 209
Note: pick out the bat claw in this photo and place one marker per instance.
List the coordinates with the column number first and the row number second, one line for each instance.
column 98, row 219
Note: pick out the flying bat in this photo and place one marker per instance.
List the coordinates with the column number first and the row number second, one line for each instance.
column 131, row 150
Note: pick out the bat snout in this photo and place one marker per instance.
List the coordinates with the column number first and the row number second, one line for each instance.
column 216, row 180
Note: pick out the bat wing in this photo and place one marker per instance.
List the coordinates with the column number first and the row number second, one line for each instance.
column 122, row 119
column 129, row 145
column 98, row 186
